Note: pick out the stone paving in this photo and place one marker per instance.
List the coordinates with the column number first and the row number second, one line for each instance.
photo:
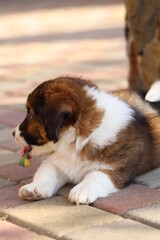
column 40, row 40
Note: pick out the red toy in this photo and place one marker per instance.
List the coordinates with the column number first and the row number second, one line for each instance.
column 25, row 157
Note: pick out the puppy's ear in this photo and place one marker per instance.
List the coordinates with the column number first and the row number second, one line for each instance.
column 55, row 117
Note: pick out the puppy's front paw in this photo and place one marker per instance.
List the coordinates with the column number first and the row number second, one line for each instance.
column 153, row 95
column 80, row 194
column 34, row 192
column 94, row 185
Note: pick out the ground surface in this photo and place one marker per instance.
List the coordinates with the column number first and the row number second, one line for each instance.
column 40, row 40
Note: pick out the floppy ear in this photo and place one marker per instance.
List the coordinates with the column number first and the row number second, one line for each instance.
column 55, row 117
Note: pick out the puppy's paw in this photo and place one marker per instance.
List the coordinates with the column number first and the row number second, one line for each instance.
column 153, row 95
column 94, row 185
column 80, row 194
column 34, row 192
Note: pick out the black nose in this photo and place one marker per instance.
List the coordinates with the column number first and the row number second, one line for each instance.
column 13, row 134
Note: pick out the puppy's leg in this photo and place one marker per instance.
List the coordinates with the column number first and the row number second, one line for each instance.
column 46, row 182
column 94, row 185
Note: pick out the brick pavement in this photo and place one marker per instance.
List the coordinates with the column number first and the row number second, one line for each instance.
column 36, row 45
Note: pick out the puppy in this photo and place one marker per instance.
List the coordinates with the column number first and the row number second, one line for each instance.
column 98, row 141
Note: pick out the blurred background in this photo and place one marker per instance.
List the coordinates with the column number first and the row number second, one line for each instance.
column 40, row 40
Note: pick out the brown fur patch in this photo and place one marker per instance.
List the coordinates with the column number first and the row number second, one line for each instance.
column 154, row 124
column 137, row 149
column 130, row 156
column 90, row 119
column 133, row 64
column 64, row 103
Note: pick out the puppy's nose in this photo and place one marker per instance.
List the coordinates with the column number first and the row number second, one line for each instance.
column 13, row 134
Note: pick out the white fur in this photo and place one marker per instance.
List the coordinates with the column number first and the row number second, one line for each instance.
column 80, row 143
column 46, row 182
column 64, row 164
column 47, row 148
column 117, row 115
column 94, row 185
column 75, row 168
column 153, row 95
column 20, row 140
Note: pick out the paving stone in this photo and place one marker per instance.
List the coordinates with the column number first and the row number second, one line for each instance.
column 9, row 103
column 10, row 231
column 56, row 217
column 149, row 215
column 5, row 183
column 132, row 197
column 150, row 179
column 3, row 111
column 6, row 134
column 2, row 127
column 12, row 119
column 16, row 72
column 125, row 229
column 9, row 197
column 19, row 106
column 16, row 173
column 10, row 145
column 64, row 191
column 8, row 157
column 26, row 181
column 42, row 237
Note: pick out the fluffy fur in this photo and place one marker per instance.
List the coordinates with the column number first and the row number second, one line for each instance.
column 96, row 140
column 153, row 94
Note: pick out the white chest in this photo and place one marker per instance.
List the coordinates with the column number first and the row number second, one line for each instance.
column 74, row 168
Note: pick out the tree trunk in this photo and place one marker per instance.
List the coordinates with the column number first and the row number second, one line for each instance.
column 143, row 42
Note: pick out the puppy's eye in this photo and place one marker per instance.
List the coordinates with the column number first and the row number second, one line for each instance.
column 29, row 116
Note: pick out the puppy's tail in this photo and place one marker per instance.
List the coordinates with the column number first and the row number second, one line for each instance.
column 153, row 95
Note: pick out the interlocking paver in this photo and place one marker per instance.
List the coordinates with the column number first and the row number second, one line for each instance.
column 3, row 110
column 64, row 191
column 10, row 145
column 5, row 183
column 100, row 40
column 125, row 229
column 8, row 157
column 9, row 197
column 6, row 134
column 9, row 103
column 12, row 119
column 149, row 215
column 150, row 179
column 15, row 172
column 132, row 197
column 2, row 127
column 10, row 231
column 57, row 217
column 42, row 237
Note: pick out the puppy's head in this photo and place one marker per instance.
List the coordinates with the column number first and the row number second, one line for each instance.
column 51, row 108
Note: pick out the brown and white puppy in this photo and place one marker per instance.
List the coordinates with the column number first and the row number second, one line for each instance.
column 96, row 140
